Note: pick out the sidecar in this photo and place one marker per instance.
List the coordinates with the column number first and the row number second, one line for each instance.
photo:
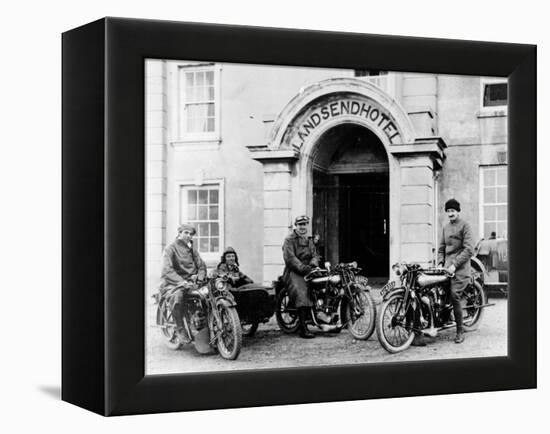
column 255, row 305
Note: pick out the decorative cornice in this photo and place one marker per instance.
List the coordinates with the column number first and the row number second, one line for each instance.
column 264, row 154
column 432, row 146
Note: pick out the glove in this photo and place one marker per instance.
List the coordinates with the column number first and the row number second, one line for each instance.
column 307, row 269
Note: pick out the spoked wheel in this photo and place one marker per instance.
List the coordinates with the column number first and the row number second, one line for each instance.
column 230, row 334
column 393, row 327
column 167, row 326
column 287, row 318
column 361, row 315
column 472, row 297
column 249, row 329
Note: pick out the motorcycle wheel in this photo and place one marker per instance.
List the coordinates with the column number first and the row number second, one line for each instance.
column 288, row 321
column 361, row 315
column 230, row 338
column 167, row 326
column 249, row 329
column 473, row 295
column 392, row 334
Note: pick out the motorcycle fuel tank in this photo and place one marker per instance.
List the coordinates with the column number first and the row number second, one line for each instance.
column 431, row 279
column 334, row 280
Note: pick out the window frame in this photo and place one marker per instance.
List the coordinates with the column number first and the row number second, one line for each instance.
column 495, row 109
column 176, row 103
column 383, row 79
column 482, row 170
column 182, row 216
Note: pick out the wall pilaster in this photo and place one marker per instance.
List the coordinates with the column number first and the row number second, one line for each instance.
column 417, row 209
column 155, row 176
column 277, row 216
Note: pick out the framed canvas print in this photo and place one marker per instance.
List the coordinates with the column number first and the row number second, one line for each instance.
column 261, row 216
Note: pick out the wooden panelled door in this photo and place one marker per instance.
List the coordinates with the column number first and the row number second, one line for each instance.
column 364, row 221
column 351, row 215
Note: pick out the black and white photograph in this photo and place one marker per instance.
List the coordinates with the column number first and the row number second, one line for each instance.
column 266, row 217
column 300, row 216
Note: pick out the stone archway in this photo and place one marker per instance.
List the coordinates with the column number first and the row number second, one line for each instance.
column 288, row 157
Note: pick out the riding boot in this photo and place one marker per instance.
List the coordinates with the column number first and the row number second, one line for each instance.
column 304, row 332
column 419, row 340
column 457, row 310
column 459, row 335
column 177, row 314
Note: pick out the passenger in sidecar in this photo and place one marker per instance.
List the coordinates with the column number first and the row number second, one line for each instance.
column 255, row 303
column 229, row 265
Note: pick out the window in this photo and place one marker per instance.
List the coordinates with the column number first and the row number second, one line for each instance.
column 202, row 207
column 382, row 79
column 198, row 116
column 369, row 72
column 494, row 94
column 494, row 201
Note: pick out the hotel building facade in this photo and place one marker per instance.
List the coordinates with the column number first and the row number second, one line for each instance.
column 371, row 156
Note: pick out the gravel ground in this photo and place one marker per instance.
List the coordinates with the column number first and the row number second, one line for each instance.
column 270, row 348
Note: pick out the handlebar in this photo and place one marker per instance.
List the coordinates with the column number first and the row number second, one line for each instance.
column 402, row 267
column 189, row 283
column 348, row 265
column 184, row 284
column 342, row 266
column 311, row 274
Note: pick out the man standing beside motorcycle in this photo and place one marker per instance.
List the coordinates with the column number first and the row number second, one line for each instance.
column 456, row 248
column 300, row 257
column 181, row 262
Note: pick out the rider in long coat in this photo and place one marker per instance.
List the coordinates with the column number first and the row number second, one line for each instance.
column 456, row 248
column 181, row 262
column 300, row 257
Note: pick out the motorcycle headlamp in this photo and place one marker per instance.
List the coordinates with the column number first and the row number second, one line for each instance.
column 335, row 279
column 220, row 284
column 399, row 269
column 203, row 291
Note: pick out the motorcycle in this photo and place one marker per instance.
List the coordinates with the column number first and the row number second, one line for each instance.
column 422, row 304
column 210, row 319
column 341, row 298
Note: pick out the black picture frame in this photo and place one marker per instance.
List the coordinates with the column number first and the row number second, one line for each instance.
column 103, row 216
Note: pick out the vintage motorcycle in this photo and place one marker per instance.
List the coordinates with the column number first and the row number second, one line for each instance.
column 341, row 298
column 210, row 319
column 422, row 304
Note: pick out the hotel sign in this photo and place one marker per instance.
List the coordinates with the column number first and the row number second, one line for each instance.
column 379, row 119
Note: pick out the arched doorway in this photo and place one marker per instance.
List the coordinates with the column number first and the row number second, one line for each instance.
column 350, row 177
column 303, row 150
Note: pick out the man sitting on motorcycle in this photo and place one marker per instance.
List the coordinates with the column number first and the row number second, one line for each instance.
column 181, row 263
column 229, row 265
column 456, row 248
column 300, row 257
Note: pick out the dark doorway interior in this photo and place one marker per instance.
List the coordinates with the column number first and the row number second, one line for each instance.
column 364, row 221
column 351, row 199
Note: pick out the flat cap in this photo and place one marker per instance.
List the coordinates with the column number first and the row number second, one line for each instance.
column 188, row 227
column 301, row 219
